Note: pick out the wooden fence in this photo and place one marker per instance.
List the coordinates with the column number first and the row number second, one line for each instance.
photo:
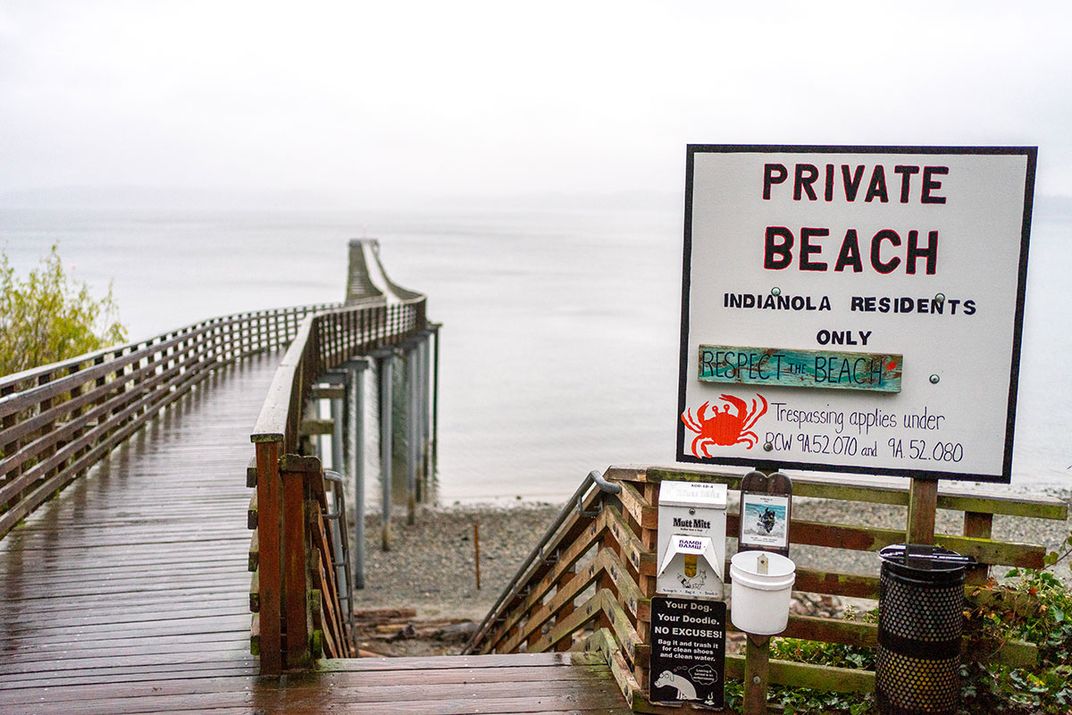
column 294, row 595
column 59, row 420
column 590, row 582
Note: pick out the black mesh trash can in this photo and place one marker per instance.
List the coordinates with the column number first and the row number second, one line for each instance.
column 920, row 604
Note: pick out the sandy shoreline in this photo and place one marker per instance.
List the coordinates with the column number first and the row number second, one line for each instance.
column 430, row 566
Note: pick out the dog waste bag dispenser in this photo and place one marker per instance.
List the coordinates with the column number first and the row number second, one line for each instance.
column 692, row 539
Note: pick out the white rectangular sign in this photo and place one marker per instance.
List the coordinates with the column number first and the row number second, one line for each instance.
column 815, row 276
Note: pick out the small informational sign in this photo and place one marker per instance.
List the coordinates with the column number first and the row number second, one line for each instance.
column 764, row 521
column 800, row 368
column 688, row 652
column 766, row 510
column 854, row 309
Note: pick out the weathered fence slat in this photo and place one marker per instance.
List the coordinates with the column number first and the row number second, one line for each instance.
column 605, row 548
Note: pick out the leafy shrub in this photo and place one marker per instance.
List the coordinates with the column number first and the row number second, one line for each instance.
column 1033, row 606
column 49, row 316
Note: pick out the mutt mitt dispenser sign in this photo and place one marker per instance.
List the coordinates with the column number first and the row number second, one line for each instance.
column 854, row 309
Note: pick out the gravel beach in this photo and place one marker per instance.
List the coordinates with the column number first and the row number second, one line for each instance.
column 430, row 566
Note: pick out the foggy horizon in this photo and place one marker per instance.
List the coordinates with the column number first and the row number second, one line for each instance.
column 338, row 106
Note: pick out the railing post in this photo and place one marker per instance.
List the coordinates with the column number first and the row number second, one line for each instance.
column 649, row 540
column 978, row 526
column 43, row 406
column 295, row 555
column 73, row 415
column 13, row 446
column 563, row 613
column 269, row 538
column 225, row 339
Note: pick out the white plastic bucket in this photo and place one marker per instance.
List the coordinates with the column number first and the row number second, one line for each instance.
column 761, row 601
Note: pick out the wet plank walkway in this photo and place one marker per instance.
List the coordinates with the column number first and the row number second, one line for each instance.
column 137, row 574
column 129, row 594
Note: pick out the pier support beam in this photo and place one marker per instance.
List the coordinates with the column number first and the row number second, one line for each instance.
column 356, row 460
column 435, row 396
column 337, row 411
column 384, row 364
column 412, row 349
column 424, row 401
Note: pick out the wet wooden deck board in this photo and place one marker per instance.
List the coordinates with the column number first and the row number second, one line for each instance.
column 136, row 575
column 476, row 684
column 129, row 594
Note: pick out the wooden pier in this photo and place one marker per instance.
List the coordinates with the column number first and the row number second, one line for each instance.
column 129, row 594
column 129, row 591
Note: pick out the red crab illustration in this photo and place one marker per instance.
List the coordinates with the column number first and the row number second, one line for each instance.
column 732, row 425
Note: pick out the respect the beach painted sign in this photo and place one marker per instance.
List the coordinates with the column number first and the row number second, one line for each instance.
column 854, row 309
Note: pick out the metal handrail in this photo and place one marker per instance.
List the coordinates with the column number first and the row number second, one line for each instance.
column 340, row 543
column 539, row 553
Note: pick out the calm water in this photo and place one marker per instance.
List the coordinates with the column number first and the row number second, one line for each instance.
column 560, row 329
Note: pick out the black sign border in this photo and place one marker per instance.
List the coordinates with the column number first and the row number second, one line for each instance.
column 1030, row 152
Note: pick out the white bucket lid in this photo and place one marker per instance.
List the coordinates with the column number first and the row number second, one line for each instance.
column 781, row 571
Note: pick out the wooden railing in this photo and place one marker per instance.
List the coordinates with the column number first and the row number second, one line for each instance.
column 57, row 421
column 589, row 583
column 295, row 598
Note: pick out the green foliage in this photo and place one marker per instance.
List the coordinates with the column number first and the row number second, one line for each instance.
column 804, row 700
column 832, row 654
column 807, row 700
column 1033, row 606
column 48, row 316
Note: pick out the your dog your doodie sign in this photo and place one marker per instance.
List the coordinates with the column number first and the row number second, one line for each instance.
column 854, row 309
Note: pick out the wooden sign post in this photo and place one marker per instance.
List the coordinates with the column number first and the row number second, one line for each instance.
column 766, row 512
column 922, row 507
column 756, row 673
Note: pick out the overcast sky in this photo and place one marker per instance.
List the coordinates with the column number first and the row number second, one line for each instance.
column 390, row 103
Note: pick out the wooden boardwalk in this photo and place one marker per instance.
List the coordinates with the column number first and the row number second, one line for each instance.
column 129, row 593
